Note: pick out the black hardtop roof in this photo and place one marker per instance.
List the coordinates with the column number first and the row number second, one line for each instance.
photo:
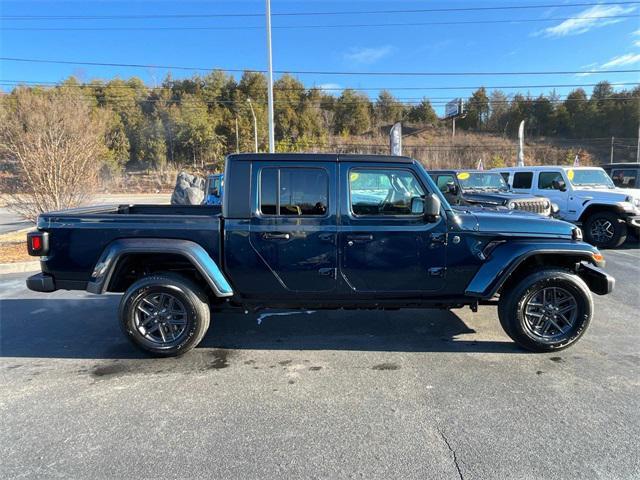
column 317, row 157
column 459, row 170
column 621, row 164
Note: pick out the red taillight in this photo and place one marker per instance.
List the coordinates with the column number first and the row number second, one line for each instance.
column 38, row 243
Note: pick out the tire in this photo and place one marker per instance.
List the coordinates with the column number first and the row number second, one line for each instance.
column 536, row 328
column 169, row 332
column 605, row 230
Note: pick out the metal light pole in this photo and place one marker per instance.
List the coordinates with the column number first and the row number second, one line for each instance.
column 255, row 125
column 611, row 157
column 270, row 81
column 638, row 147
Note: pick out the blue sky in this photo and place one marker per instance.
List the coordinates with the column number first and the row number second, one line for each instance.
column 582, row 43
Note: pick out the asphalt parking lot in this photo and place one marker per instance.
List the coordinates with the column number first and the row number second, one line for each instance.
column 398, row 394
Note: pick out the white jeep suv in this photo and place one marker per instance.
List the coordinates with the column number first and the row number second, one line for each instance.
column 585, row 196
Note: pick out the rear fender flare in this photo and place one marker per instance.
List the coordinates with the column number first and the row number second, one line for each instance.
column 194, row 253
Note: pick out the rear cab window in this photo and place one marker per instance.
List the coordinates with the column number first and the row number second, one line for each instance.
column 294, row 191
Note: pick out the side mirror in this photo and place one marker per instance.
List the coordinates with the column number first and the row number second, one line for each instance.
column 432, row 207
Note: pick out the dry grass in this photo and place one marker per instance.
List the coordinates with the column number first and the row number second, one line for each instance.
column 13, row 247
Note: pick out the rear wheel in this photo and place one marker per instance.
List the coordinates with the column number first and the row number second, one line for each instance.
column 605, row 229
column 547, row 310
column 164, row 314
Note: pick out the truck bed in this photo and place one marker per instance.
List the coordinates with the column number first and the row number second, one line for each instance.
column 78, row 236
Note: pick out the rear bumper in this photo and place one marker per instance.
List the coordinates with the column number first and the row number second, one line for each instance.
column 599, row 281
column 41, row 282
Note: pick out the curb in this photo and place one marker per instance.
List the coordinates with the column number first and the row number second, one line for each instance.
column 19, row 267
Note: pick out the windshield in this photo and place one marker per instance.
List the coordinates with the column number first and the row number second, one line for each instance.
column 482, row 181
column 592, row 177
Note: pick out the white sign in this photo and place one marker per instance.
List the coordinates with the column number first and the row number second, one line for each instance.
column 454, row 108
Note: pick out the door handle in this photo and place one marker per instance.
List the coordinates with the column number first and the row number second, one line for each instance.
column 363, row 238
column 276, row 236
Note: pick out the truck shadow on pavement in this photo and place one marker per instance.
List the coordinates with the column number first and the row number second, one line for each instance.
column 88, row 328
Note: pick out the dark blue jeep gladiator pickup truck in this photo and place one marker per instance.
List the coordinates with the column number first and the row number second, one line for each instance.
column 321, row 231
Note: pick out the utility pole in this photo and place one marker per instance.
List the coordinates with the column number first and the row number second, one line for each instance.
column 611, row 157
column 255, row 125
column 270, row 80
column 237, row 137
column 453, row 128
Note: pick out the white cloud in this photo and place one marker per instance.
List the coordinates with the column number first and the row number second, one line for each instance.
column 367, row 55
column 587, row 20
column 622, row 60
column 636, row 43
column 331, row 88
column 618, row 61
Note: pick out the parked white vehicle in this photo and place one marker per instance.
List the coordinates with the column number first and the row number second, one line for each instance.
column 586, row 196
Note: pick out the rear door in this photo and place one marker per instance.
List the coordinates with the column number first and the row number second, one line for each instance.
column 522, row 181
column 293, row 230
column 385, row 249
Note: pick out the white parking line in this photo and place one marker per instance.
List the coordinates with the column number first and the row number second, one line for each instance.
column 619, row 252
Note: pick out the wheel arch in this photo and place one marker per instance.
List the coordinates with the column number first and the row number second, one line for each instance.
column 509, row 263
column 597, row 208
column 113, row 271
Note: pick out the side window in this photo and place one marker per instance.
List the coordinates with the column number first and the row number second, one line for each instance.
column 294, row 191
column 383, row 191
column 549, row 180
column 627, row 178
column 522, row 179
column 269, row 191
column 505, row 176
column 443, row 181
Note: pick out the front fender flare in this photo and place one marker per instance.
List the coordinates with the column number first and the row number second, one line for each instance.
column 506, row 258
column 198, row 256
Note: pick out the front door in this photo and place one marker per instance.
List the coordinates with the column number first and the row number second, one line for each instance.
column 548, row 185
column 293, row 231
column 384, row 248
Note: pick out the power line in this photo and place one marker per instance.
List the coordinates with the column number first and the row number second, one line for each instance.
column 9, row 82
column 320, row 72
column 291, row 14
column 345, row 25
column 311, row 102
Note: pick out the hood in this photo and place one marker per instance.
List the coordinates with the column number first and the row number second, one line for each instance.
column 610, row 194
column 492, row 197
column 512, row 222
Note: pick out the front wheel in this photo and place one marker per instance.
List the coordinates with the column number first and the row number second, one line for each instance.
column 547, row 310
column 605, row 230
column 164, row 314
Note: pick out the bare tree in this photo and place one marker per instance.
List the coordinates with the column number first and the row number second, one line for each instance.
column 57, row 143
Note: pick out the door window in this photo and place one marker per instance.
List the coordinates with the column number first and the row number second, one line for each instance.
column 522, row 179
column 550, row 180
column 627, row 178
column 294, row 191
column 383, row 191
column 443, row 181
